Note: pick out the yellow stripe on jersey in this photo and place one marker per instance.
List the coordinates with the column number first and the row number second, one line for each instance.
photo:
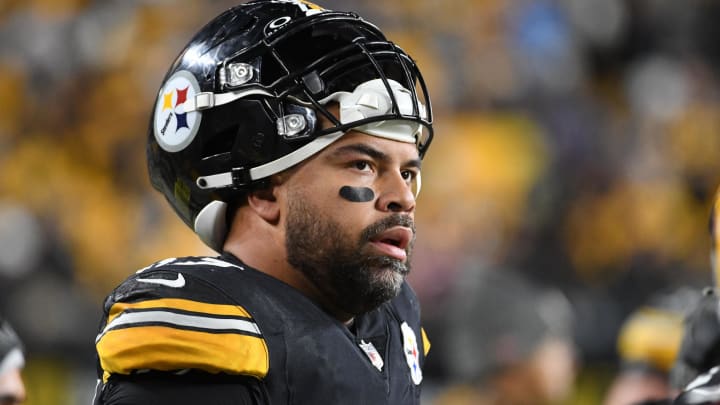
column 181, row 304
column 426, row 341
column 173, row 334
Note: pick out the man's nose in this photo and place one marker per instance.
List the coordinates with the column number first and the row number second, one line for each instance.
column 396, row 195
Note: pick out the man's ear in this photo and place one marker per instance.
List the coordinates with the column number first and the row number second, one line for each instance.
column 265, row 204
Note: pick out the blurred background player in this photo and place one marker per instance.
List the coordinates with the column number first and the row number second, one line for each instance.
column 648, row 344
column 12, row 388
column 509, row 342
column 697, row 370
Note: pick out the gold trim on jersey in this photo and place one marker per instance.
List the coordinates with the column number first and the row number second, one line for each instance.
column 426, row 341
column 179, row 303
column 177, row 334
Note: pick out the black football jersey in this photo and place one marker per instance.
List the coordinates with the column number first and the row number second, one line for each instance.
column 703, row 390
column 220, row 318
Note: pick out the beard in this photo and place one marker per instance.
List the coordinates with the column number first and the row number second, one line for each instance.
column 341, row 267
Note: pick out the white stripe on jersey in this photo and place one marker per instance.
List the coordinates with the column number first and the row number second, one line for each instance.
column 131, row 319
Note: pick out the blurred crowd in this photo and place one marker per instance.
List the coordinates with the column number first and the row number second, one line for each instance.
column 575, row 149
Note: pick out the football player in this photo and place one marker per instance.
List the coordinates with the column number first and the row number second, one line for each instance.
column 290, row 139
column 648, row 344
column 697, row 369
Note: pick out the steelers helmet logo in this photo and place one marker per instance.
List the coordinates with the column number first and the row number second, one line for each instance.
column 174, row 127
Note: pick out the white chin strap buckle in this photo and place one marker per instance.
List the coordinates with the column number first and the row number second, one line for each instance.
column 211, row 225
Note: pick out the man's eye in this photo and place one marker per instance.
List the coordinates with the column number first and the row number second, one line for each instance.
column 408, row 174
column 362, row 165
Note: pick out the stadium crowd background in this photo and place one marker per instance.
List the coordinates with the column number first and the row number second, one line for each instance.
column 576, row 144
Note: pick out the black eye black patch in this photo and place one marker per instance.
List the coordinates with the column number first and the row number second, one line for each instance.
column 357, row 194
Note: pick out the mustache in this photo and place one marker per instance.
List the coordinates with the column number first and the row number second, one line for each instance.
column 386, row 223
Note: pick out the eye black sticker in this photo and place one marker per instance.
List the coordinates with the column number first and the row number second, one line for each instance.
column 357, row 194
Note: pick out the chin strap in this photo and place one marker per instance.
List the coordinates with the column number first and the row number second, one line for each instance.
column 211, row 223
column 242, row 177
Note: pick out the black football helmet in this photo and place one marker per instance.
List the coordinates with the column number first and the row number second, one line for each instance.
column 241, row 102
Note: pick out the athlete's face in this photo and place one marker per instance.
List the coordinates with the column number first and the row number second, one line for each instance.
column 12, row 389
column 349, row 226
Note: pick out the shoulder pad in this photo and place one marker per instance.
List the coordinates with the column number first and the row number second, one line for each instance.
column 170, row 278
column 167, row 318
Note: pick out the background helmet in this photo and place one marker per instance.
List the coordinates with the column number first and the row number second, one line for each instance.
column 242, row 102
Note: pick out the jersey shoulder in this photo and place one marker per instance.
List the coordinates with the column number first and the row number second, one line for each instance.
column 185, row 277
column 171, row 316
